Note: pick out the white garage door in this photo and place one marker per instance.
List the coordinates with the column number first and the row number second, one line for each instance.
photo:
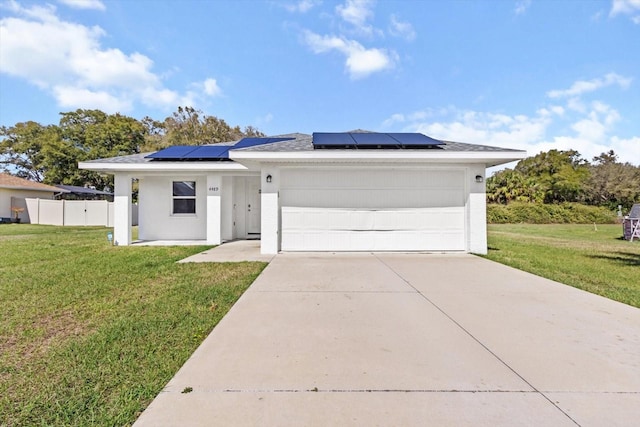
column 365, row 210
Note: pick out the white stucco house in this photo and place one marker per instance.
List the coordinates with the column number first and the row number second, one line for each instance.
column 14, row 191
column 353, row 191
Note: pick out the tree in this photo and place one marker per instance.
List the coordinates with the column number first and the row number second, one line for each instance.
column 512, row 186
column 51, row 153
column 154, row 138
column 561, row 175
column 21, row 149
column 612, row 183
column 188, row 126
column 87, row 135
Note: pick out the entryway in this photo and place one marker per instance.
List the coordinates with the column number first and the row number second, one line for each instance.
column 246, row 207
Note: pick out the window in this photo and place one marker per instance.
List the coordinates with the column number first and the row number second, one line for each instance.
column 184, row 197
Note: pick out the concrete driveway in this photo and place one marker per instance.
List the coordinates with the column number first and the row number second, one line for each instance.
column 409, row 339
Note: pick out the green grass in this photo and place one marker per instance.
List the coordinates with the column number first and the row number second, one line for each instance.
column 593, row 258
column 90, row 333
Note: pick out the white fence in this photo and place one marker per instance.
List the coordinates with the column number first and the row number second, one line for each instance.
column 74, row 212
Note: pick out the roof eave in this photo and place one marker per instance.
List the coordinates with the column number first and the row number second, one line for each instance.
column 162, row 166
column 46, row 190
column 493, row 158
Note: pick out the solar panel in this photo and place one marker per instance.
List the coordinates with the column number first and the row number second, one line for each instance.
column 414, row 139
column 208, row 152
column 375, row 140
column 190, row 152
column 333, row 140
column 251, row 142
column 172, row 153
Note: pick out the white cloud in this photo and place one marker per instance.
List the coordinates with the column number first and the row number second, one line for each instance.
column 360, row 62
column 590, row 132
column 584, row 86
column 263, row 120
column 67, row 60
column 395, row 118
column 76, row 97
column 84, row 4
column 302, row 6
column 211, row 87
column 626, row 7
column 522, row 6
column 402, row 29
column 357, row 13
column 629, row 146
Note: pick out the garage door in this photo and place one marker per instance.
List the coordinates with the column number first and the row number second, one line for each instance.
column 366, row 210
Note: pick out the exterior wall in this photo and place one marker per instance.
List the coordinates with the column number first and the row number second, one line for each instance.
column 221, row 204
column 270, row 211
column 6, row 194
column 226, row 208
column 156, row 220
column 477, row 211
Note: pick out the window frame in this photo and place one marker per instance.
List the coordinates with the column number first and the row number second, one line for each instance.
column 180, row 197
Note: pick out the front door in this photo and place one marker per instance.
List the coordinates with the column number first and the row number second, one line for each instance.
column 253, row 206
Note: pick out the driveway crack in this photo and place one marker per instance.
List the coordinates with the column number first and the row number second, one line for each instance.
column 475, row 339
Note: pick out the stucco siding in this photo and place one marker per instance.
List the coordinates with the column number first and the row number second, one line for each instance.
column 156, row 219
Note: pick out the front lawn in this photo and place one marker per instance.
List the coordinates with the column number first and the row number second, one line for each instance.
column 90, row 333
column 593, row 258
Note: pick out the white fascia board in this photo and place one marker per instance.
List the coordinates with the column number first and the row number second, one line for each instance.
column 163, row 167
column 492, row 158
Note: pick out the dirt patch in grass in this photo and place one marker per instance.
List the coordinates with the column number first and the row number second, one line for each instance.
column 35, row 339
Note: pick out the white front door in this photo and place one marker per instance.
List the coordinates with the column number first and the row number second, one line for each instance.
column 253, row 206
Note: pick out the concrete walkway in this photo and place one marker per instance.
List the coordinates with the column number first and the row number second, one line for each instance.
column 234, row 251
column 409, row 340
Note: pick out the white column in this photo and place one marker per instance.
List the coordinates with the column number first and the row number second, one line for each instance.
column 477, row 211
column 226, row 200
column 214, row 209
column 122, row 210
column 270, row 211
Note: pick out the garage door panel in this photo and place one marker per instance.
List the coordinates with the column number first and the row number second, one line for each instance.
column 344, row 240
column 300, row 218
column 362, row 179
column 372, row 198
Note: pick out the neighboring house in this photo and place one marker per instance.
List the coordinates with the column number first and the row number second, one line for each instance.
column 14, row 190
column 355, row 191
column 74, row 192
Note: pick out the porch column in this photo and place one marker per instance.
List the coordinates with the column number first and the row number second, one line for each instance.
column 477, row 211
column 214, row 210
column 269, row 211
column 122, row 210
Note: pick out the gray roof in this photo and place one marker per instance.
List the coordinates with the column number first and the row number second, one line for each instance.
column 303, row 142
column 130, row 159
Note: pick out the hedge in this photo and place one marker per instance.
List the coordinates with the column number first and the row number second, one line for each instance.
column 535, row 213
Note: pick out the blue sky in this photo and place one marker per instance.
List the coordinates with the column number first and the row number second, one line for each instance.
column 533, row 75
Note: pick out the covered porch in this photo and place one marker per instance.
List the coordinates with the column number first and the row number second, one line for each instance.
column 188, row 208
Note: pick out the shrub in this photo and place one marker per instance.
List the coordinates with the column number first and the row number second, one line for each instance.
column 537, row 213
